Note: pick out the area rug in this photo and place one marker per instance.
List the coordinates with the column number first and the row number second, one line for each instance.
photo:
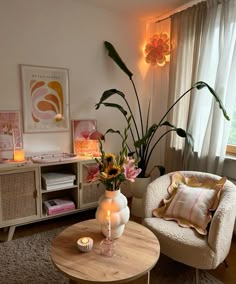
column 27, row 260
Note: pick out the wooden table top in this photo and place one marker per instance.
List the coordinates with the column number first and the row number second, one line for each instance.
column 137, row 252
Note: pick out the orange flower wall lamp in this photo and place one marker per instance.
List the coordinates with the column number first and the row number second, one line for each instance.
column 157, row 50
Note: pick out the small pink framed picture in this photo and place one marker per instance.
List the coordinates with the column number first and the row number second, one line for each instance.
column 83, row 142
column 10, row 130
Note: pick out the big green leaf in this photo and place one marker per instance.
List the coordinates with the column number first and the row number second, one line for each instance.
column 120, row 108
column 116, row 57
column 110, row 130
column 107, row 94
column 200, row 85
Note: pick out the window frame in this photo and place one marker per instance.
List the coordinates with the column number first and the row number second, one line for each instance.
column 231, row 149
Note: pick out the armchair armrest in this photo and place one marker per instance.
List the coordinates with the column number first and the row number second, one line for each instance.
column 222, row 224
column 154, row 194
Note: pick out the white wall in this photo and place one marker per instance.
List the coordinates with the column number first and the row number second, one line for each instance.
column 68, row 34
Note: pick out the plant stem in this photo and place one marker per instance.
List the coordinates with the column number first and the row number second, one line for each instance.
column 174, row 104
column 139, row 107
column 141, row 150
column 153, row 147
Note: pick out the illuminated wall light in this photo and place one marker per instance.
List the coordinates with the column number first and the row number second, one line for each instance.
column 157, row 50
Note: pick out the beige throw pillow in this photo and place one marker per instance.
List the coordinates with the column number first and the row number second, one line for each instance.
column 191, row 202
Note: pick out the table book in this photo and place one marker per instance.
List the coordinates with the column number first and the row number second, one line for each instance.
column 55, row 180
column 58, row 205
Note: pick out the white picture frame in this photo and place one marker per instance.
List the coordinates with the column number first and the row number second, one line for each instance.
column 45, row 99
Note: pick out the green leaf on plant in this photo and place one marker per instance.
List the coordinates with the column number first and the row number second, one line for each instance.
column 107, row 94
column 116, row 57
column 120, row 108
column 200, row 85
column 181, row 132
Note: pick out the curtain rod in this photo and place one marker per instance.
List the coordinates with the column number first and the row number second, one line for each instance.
column 177, row 10
column 180, row 9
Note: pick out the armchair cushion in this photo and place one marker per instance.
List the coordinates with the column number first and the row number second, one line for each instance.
column 191, row 202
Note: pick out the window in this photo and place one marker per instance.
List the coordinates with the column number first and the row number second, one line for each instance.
column 231, row 147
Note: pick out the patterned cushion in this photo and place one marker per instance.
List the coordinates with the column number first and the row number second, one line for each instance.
column 191, row 201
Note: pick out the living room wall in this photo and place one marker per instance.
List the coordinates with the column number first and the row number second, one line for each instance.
column 69, row 34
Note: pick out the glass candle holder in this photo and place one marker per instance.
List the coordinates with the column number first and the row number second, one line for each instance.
column 19, row 155
column 107, row 247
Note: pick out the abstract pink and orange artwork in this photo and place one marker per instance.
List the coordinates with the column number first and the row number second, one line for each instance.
column 45, row 99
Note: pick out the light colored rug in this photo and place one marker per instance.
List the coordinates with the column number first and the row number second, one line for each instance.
column 27, row 260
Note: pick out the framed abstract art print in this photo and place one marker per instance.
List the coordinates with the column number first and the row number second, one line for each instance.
column 45, row 97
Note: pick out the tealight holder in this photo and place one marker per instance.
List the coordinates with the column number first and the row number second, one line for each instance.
column 85, row 244
column 107, row 247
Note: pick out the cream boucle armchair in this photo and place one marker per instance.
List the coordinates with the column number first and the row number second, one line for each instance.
column 185, row 244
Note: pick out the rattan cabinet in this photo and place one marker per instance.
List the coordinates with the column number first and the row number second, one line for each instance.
column 19, row 197
column 89, row 193
column 23, row 194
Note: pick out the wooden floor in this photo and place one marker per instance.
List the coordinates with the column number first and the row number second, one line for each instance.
column 226, row 275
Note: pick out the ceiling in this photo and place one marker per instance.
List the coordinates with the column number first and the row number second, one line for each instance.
column 144, row 9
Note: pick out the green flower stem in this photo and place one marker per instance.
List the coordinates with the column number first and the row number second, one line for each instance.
column 122, row 137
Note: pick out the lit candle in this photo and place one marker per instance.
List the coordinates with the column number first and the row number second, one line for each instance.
column 19, row 155
column 85, row 244
column 84, row 240
column 108, row 219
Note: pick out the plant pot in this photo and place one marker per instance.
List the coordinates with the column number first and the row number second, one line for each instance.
column 138, row 188
column 116, row 202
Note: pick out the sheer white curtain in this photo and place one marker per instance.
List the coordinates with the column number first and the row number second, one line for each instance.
column 217, row 67
column 186, row 35
column 205, row 51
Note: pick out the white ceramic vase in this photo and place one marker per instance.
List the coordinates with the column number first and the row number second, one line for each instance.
column 117, row 203
column 138, row 188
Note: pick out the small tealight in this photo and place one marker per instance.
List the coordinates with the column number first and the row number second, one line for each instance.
column 85, row 244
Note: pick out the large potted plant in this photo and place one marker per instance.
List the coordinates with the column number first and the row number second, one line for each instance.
column 145, row 139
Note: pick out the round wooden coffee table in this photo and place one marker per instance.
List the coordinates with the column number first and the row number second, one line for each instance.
column 136, row 253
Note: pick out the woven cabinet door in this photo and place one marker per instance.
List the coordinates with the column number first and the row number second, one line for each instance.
column 90, row 194
column 18, row 197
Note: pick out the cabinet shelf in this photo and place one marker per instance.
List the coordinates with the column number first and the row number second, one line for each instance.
column 44, row 191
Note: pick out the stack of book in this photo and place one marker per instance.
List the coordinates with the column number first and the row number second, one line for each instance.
column 54, row 180
column 58, row 205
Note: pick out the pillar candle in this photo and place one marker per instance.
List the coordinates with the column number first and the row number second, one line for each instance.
column 108, row 219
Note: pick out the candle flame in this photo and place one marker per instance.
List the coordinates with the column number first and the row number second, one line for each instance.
column 84, row 240
column 108, row 213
